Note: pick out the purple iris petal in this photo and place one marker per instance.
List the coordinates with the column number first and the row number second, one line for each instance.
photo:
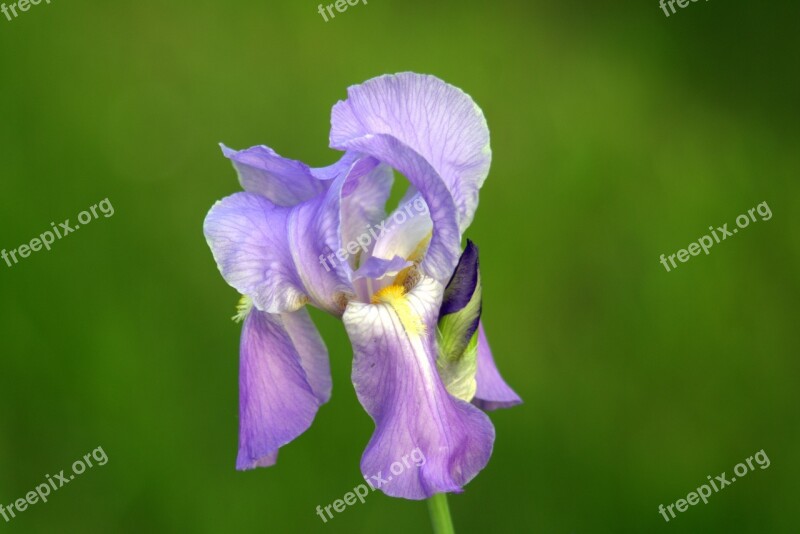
column 364, row 196
column 247, row 236
column 283, row 181
column 312, row 352
column 396, row 380
column 493, row 392
column 444, row 248
column 406, row 231
column 435, row 135
column 376, row 268
column 439, row 122
column 283, row 379
column 377, row 273
column 277, row 255
column 463, row 283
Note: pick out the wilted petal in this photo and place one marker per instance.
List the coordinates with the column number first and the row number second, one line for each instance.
column 283, row 379
column 493, row 392
column 395, row 376
column 439, row 122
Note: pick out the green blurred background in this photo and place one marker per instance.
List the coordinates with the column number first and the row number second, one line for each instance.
column 618, row 134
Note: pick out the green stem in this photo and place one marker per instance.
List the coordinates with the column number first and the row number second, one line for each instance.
column 440, row 514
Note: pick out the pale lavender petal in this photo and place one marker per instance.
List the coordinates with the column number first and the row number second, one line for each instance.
column 406, row 231
column 344, row 166
column 376, row 268
column 285, row 182
column 445, row 244
column 247, row 236
column 277, row 255
column 363, row 197
column 283, row 379
column 493, row 392
column 375, row 274
column 439, row 122
column 312, row 351
column 395, row 376
column 313, row 232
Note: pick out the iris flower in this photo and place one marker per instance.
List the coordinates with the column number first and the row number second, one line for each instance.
column 409, row 296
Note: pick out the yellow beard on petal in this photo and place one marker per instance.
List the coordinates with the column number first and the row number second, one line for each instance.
column 395, row 297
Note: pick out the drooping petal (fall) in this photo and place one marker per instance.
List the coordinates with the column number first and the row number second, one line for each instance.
column 312, row 352
column 284, row 377
column 247, row 236
column 395, row 376
column 492, row 392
